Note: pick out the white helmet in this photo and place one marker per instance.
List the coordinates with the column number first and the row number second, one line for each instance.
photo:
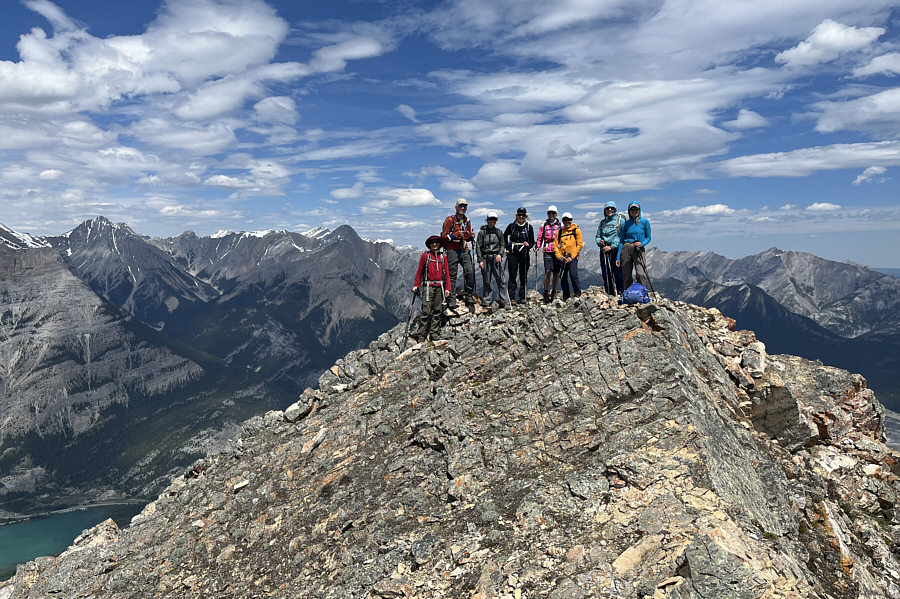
column 552, row 209
column 566, row 215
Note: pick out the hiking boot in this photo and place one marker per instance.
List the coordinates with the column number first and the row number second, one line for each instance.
column 512, row 302
column 546, row 297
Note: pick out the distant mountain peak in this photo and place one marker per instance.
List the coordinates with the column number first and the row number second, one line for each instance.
column 316, row 232
column 20, row 241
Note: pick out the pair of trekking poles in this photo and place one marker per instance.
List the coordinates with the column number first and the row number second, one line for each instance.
column 609, row 280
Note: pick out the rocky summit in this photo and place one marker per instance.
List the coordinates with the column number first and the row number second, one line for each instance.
column 571, row 450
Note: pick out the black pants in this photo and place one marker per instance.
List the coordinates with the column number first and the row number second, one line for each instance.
column 570, row 271
column 454, row 258
column 518, row 267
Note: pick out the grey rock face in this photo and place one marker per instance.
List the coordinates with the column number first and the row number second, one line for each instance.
column 67, row 360
column 126, row 270
column 569, row 450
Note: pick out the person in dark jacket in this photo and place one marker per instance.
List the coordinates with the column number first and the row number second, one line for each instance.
column 607, row 239
column 433, row 279
column 458, row 238
column 489, row 248
column 634, row 237
column 519, row 236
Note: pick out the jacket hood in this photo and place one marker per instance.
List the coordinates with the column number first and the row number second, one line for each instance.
column 611, row 204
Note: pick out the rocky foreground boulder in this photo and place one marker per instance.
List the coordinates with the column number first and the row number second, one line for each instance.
column 567, row 451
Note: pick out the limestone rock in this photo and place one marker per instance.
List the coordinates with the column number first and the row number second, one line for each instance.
column 579, row 449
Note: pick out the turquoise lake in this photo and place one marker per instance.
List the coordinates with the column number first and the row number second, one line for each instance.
column 51, row 535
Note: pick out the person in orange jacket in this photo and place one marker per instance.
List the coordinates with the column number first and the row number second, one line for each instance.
column 568, row 245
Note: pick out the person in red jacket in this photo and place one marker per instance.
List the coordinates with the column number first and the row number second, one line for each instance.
column 458, row 238
column 433, row 279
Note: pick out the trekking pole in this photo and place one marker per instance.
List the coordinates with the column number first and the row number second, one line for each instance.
column 610, row 276
column 647, row 272
column 409, row 321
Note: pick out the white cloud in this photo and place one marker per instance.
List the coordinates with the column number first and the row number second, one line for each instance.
column 746, row 119
column 195, row 139
column 277, row 109
column 828, row 41
column 349, row 193
column 871, row 175
column 51, row 174
column 411, row 197
column 483, row 212
column 408, row 111
column 710, row 210
column 823, row 207
column 879, row 112
column 888, row 64
column 335, row 57
column 806, row 161
column 229, row 182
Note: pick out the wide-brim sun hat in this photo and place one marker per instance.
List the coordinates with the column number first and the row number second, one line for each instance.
column 434, row 238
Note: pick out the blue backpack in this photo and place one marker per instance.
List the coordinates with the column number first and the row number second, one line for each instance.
column 636, row 294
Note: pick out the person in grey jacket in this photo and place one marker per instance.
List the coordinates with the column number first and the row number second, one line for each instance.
column 607, row 239
column 490, row 247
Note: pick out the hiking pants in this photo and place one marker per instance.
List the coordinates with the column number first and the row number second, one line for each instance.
column 430, row 318
column 632, row 259
column 492, row 270
column 518, row 267
column 612, row 274
column 454, row 258
column 570, row 271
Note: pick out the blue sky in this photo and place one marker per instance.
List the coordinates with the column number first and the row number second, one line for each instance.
column 738, row 125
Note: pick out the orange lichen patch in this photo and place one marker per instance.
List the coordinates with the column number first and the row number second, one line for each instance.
column 633, row 333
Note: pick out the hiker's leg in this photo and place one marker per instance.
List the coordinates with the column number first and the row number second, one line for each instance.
column 639, row 273
column 627, row 264
column 486, row 280
column 573, row 274
column 453, row 259
column 617, row 272
column 523, row 275
column 512, row 261
column 425, row 316
column 468, row 275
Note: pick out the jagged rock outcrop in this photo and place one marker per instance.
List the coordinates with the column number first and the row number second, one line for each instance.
column 563, row 451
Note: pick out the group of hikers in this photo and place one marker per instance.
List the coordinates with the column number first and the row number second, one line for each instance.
column 621, row 240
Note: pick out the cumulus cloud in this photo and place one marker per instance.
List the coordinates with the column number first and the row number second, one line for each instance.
column 710, row 210
column 746, row 119
column 411, row 197
column 828, row 41
column 349, row 193
column 276, row 109
column 823, row 207
column 51, row 174
column 871, row 175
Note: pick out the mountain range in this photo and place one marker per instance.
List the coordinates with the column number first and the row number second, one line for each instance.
column 126, row 356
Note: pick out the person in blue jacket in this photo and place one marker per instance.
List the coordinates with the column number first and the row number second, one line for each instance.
column 633, row 238
column 607, row 239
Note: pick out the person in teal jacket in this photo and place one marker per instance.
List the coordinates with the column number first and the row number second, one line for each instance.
column 607, row 239
column 633, row 238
